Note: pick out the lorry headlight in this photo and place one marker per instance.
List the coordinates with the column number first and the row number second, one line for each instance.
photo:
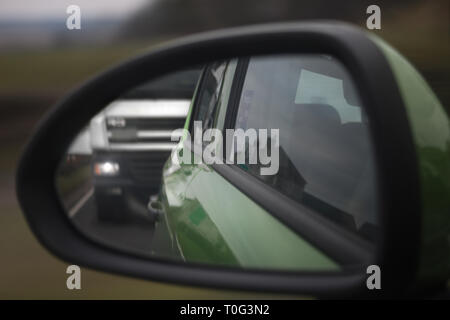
column 107, row 168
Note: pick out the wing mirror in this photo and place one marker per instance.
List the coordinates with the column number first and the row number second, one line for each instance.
column 362, row 156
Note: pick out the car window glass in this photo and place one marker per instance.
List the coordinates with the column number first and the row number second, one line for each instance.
column 325, row 155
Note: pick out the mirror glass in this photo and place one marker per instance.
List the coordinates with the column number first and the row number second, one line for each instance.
column 150, row 174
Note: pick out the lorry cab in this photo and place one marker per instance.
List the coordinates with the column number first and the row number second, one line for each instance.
column 130, row 141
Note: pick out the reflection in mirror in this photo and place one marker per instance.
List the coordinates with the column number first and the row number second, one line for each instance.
column 293, row 125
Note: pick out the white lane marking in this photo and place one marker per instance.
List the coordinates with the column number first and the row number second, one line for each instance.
column 81, row 203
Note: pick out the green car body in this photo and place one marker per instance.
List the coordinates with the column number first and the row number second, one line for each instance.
column 211, row 221
column 430, row 128
column 208, row 226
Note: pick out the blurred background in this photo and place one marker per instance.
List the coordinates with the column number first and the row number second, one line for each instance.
column 41, row 60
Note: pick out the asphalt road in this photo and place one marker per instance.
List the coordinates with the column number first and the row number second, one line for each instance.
column 134, row 235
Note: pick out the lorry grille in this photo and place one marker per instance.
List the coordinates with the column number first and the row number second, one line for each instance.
column 147, row 167
column 145, row 130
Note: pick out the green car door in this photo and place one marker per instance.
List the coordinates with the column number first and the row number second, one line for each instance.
column 212, row 221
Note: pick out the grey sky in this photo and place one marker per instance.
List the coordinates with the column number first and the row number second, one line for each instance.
column 56, row 9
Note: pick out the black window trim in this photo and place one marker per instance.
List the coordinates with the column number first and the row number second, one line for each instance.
column 196, row 101
column 235, row 92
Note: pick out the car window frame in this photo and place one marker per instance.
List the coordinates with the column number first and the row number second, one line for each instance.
column 230, row 123
column 343, row 246
column 196, row 101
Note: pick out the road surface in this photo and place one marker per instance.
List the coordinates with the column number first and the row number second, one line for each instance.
column 135, row 235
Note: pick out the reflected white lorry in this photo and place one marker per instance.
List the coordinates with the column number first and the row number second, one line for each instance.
column 130, row 140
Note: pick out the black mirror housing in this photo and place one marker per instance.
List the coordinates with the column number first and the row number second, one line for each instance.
column 394, row 149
